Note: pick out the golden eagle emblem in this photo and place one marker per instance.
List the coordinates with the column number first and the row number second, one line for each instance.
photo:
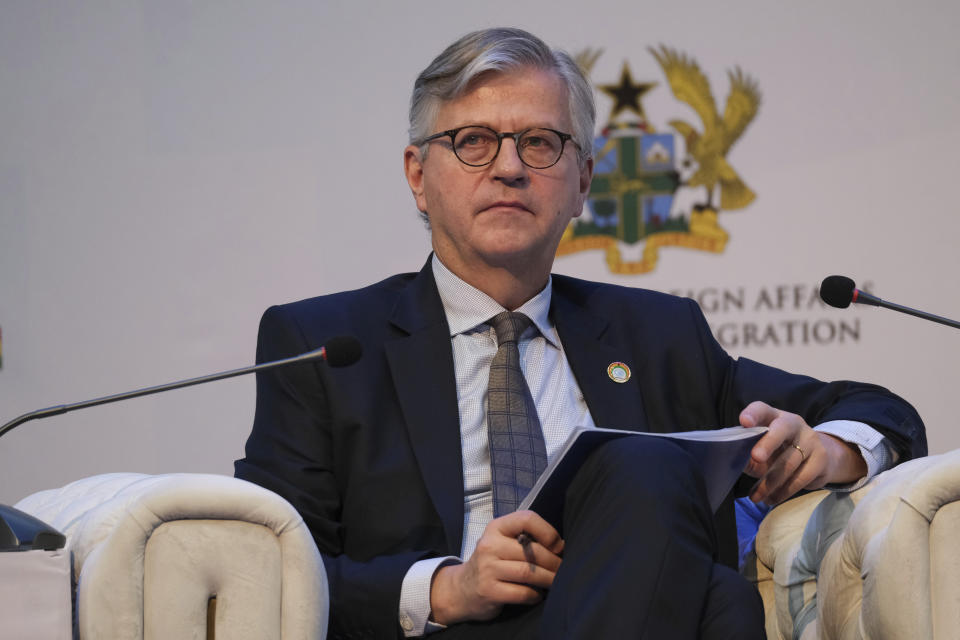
column 710, row 148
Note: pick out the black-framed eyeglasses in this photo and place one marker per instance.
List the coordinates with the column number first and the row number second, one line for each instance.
column 477, row 146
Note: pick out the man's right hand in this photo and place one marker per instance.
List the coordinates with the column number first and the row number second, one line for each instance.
column 500, row 571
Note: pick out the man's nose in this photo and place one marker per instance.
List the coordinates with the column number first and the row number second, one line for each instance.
column 507, row 164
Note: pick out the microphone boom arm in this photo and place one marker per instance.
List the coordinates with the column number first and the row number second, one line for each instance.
column 913, row 312
column 316, row 354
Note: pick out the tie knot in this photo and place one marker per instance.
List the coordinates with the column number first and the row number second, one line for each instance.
column 509, row 325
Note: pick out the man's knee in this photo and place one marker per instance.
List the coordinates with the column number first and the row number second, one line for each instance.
column 644, row 461
column 650, row 479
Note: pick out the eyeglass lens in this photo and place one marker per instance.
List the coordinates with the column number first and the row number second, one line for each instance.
column 538, row 148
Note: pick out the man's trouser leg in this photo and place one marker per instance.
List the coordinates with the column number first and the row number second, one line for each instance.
column 638, row 560
column 639, row 555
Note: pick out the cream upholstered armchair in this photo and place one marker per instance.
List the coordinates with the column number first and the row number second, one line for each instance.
column 882, row 562
column 186, row 556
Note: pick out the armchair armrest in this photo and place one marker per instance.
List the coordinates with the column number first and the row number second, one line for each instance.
column 893, row 573
column 881, row 562
column 790, row 546
column 151, row 555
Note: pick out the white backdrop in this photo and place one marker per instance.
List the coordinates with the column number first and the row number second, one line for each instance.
column 169, row 169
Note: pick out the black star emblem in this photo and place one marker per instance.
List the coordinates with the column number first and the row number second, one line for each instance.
column 627, row 94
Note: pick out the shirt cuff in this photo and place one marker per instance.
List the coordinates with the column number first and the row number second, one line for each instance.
column 874, row 448
column 415, row 597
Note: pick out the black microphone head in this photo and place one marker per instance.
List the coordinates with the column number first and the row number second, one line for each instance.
column 837, row 291
column 342, row 351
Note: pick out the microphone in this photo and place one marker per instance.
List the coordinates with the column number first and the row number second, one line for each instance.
column 338, row 352
column 840, row 291
column 20, row 531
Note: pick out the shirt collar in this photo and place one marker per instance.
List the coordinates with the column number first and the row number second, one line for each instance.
column 467, row 307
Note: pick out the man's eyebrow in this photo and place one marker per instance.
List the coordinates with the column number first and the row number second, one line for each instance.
column 525, row 127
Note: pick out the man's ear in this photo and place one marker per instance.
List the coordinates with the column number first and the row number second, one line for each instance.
column 586, row 177
column 413, row 168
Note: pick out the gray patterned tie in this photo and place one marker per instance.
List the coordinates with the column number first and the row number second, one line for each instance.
column 517, row 452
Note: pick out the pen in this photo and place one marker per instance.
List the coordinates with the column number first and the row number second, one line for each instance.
column 525, row 540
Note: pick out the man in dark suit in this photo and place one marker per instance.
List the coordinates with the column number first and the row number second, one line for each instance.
column 389, row 460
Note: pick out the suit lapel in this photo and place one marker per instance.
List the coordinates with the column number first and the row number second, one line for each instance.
column 590, row 352
column 422, row 367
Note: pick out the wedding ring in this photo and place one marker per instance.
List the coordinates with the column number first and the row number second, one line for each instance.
column 803, row 456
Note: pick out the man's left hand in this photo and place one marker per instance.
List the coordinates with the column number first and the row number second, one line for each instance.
column 792, row 456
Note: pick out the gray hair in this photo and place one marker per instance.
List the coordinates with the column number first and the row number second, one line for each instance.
column 497, row 50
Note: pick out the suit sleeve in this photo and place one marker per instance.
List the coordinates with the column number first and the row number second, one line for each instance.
column 290, row 451
column 738, row 382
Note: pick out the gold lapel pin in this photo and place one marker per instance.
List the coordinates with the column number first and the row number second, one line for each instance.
column 618, row 372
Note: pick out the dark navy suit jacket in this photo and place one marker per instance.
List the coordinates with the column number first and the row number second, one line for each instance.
column 370, row 454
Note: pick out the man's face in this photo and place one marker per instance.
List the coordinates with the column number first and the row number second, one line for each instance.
column 504, row 214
